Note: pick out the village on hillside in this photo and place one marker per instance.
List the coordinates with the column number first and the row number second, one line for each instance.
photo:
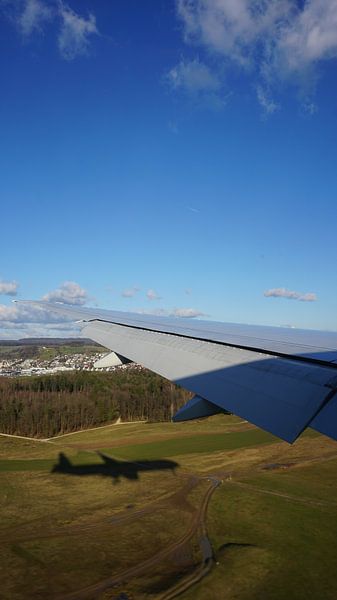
column 16, row 367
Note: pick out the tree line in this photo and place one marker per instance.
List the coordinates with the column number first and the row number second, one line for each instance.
column 48, row 405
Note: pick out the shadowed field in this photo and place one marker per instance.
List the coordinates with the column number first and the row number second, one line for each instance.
column 111, row 514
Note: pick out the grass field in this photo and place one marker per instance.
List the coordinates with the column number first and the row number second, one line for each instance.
column 117, row 513
column 45, row 351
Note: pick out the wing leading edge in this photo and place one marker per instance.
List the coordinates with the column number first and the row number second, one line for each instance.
column 281, row 385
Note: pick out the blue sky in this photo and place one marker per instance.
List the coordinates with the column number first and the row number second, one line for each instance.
column 169, row 157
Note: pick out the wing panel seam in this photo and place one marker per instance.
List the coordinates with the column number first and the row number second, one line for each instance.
column 296, row 358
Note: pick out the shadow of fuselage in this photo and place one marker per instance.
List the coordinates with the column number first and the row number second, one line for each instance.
column 110, row 467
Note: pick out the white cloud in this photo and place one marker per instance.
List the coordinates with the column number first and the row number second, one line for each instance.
column 130, row 292
column 193, row 77
column 232, row 28
column 198, row 82
column 271, row 40
column 290, row 295
column 75, row 31
column 309, row 107
column 35, row 13
column 187, row 313
column 152, row 295
column 8, row 288
column 266, row 102
column 69, row 293
column 311, row 36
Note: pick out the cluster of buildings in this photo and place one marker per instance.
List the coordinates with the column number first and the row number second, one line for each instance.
column 72, row 362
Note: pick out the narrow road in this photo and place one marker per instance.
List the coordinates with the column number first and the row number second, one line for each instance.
column 116, row 424
column 207, row 553
column 62, row 435
column 25, row 437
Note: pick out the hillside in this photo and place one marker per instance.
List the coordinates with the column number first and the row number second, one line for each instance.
column 41, row 347
column 47, row 405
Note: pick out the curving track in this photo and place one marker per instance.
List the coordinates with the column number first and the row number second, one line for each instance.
column 198, row 524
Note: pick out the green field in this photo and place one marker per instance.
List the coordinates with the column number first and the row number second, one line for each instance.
column 116, row 513
column 48, row 349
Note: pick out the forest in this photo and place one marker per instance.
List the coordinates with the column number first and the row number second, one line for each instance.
column 49, row 405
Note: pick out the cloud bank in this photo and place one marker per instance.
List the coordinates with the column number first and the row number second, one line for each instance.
column 30, row 321
column 20, row 314
column 279, row 33
column 290, row 295
column 25, row 321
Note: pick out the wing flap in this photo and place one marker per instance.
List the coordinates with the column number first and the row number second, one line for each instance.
column 196, row 408
column 326, row 420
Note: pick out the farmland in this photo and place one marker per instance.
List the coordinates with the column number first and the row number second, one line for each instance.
column 206, row 509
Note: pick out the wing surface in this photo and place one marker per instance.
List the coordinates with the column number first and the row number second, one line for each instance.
column 281, row 380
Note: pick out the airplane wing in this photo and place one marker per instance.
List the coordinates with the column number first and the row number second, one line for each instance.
column 282, row 380
column 112, row 462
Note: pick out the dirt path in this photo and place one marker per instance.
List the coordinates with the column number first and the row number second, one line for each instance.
column 206, row 549
column 117, row 424
column 56, row 437
column 184, row 585
column 24, row 437
column 198, row 523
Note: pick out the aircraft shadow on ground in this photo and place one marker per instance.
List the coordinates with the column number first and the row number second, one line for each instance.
column 110, row 467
